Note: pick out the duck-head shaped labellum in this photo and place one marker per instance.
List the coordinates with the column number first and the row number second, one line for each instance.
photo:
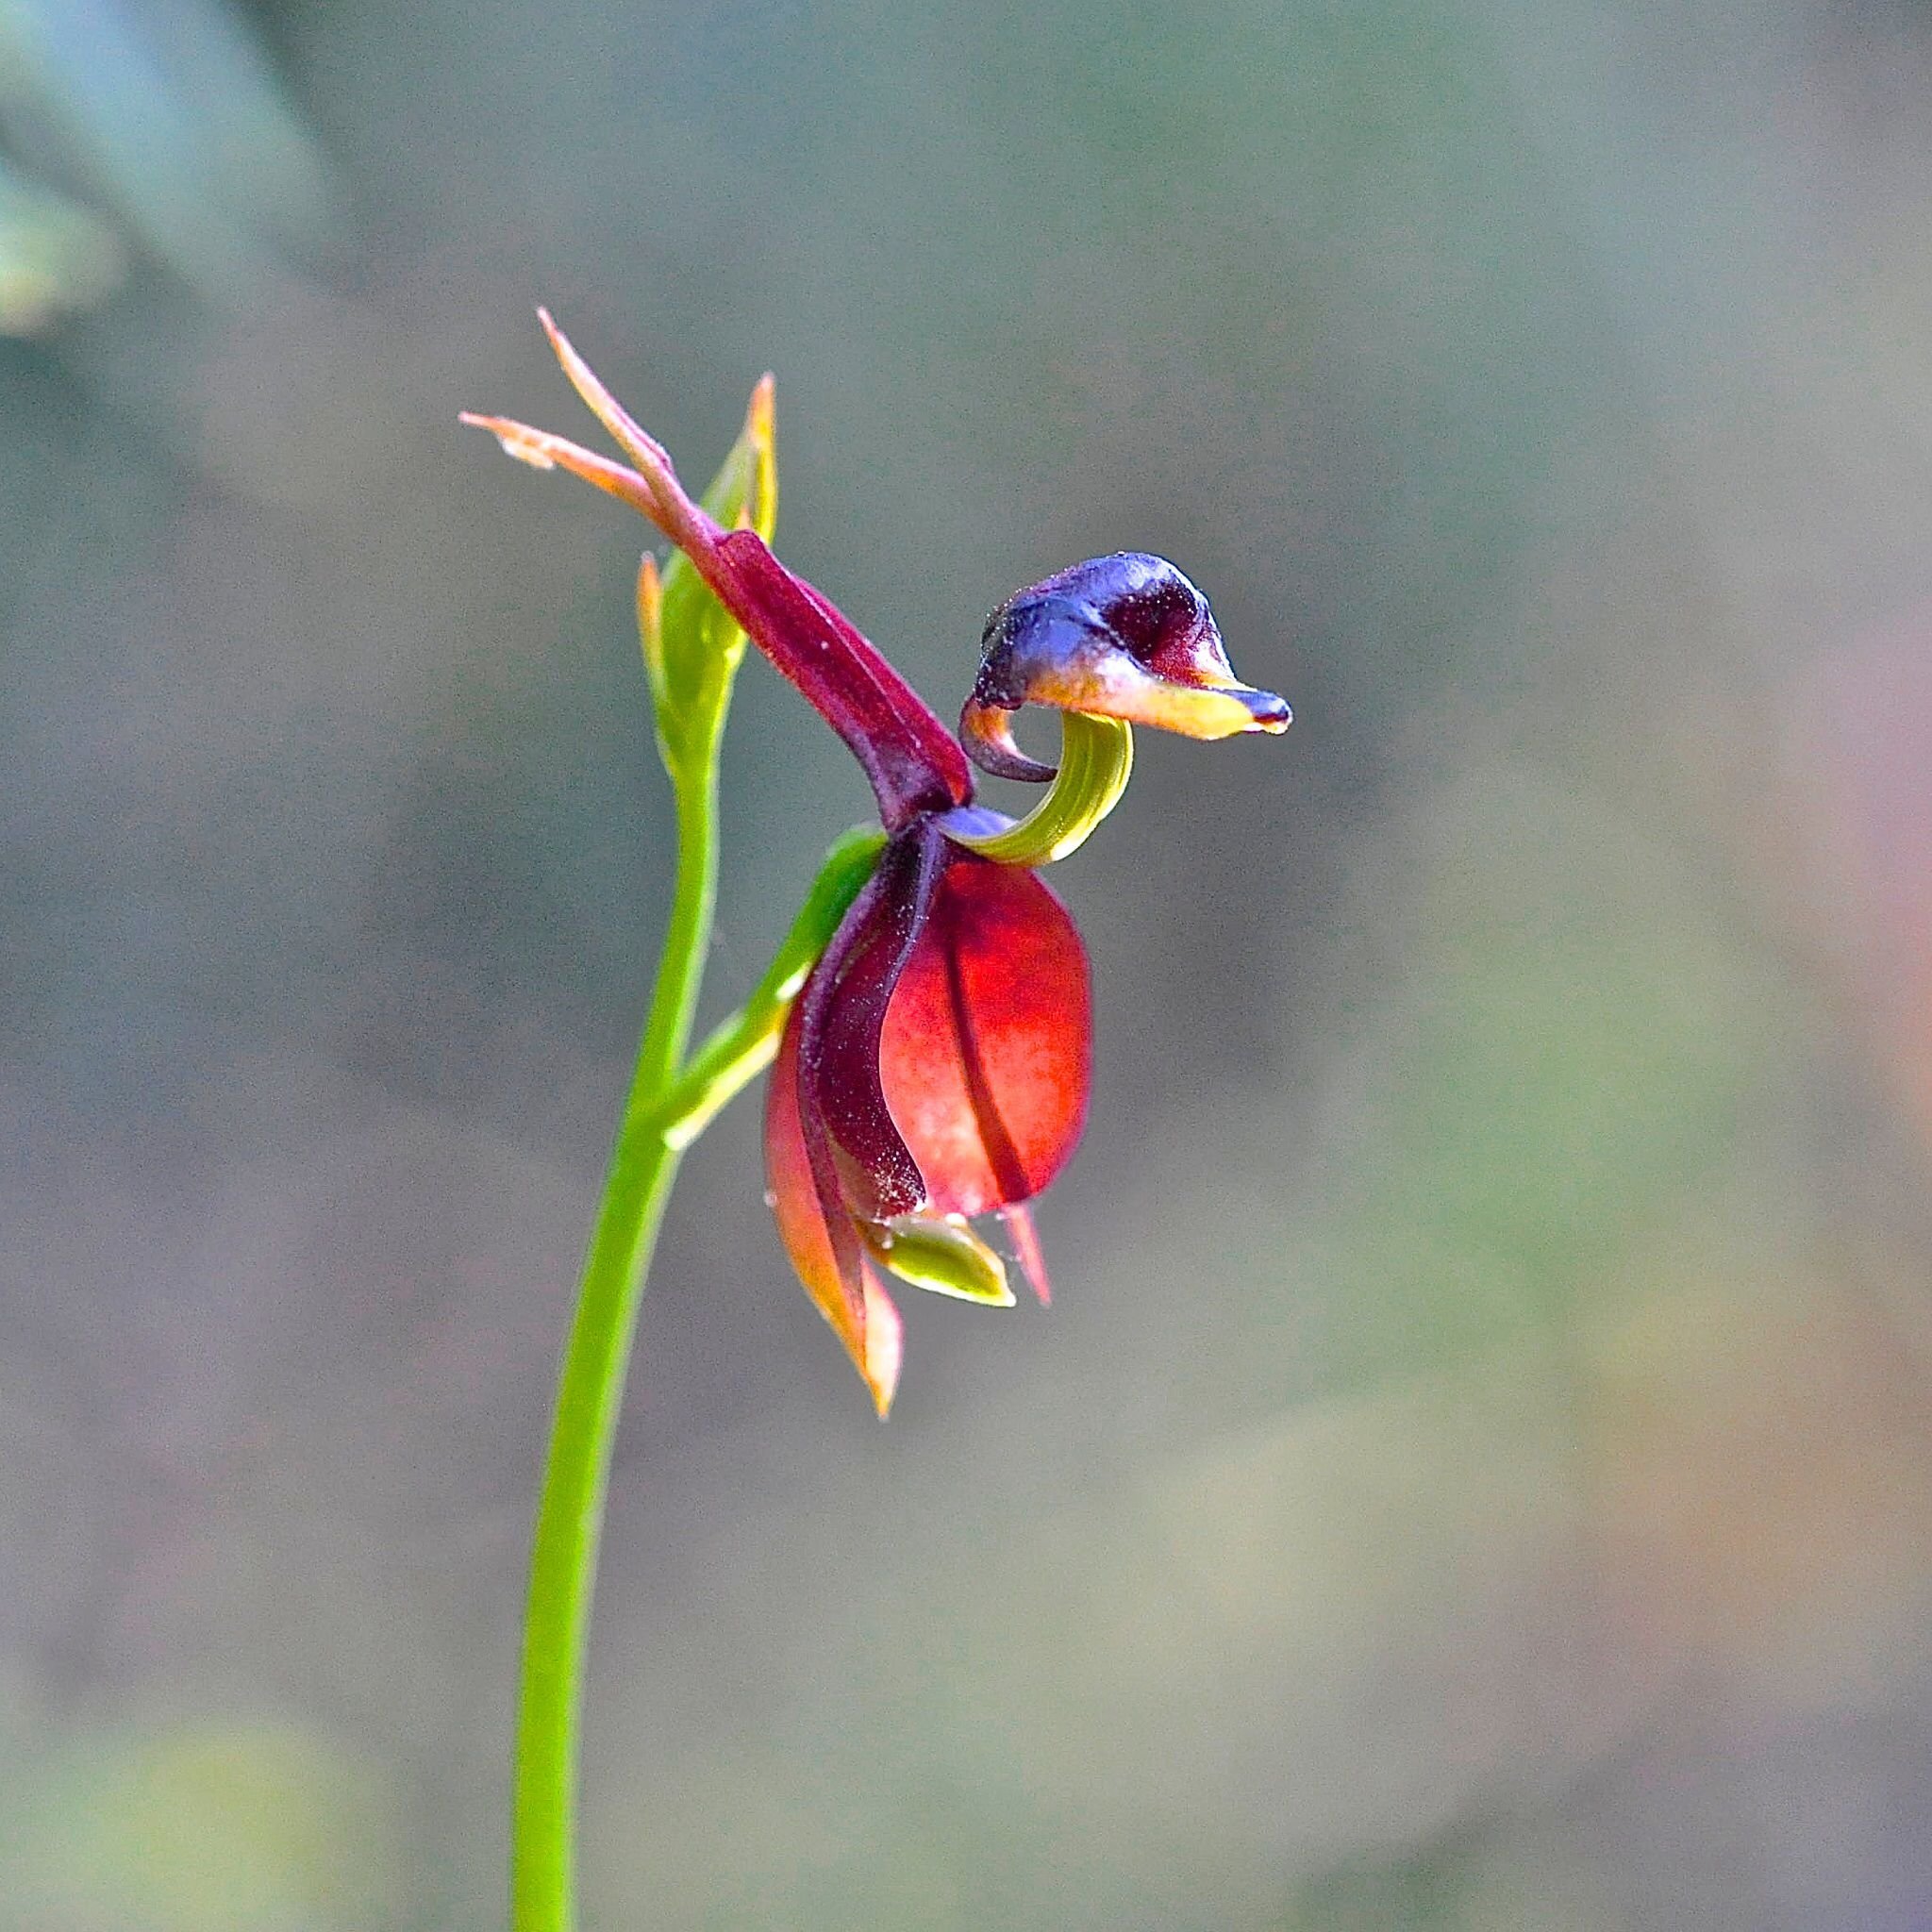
column 1124, row 637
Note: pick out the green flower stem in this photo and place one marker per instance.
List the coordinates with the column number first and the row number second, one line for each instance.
column 743, row 1046
column 569, row 1513
column 662, row 1116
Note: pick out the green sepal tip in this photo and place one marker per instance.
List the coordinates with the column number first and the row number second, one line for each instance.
column 941, row 1254
column 691, row 646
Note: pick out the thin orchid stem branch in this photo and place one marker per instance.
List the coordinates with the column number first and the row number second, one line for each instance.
column 665, row 1113
column 569, row 1513
column 738, row 1049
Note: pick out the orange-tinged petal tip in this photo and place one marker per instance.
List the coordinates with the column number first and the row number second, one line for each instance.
column 885, row 1347
column 543, row 451
column 651, row 617
column 758, row 415
column 1026, row 1250
column 518, row 439
column 642, row 448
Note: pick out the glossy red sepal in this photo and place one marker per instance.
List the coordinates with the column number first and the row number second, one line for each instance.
column 937, row 1062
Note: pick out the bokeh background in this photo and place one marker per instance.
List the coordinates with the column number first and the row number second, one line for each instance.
column 1477, row 1472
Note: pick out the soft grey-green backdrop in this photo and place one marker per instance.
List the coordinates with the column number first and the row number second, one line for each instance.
column 1477, row 1472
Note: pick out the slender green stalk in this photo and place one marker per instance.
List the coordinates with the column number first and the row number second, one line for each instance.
column 570, row 1515
column 666, row 1111
column 692, row 650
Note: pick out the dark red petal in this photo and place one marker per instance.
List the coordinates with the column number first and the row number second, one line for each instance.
column 913, row 761
column 987, row 1049
column 818, row 1233
column 845, row 1005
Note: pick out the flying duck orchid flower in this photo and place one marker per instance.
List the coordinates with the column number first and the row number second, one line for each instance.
column 932, row 1061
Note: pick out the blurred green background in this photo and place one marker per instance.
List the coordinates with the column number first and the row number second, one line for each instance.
column 1477, row 1472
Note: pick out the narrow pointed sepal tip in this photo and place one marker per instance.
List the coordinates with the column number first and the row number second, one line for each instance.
column 1027, row 1251
column 665, row 502
column 884, row 1349
column 758, row 415
column 761, row 439
column 650, row 600
column 515, row 439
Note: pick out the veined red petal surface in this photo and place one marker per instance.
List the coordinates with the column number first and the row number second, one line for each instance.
column 818, row 1236
column 913, row 761
column 987, row 1050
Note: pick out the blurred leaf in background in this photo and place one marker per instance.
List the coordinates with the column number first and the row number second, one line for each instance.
column 199, row 1826
column 54, row 256
column 164, row 121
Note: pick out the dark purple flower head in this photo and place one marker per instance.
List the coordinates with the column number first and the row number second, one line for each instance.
column 1124, row 637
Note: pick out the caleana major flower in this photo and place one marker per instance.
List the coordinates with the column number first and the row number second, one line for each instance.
column 934, row 1065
